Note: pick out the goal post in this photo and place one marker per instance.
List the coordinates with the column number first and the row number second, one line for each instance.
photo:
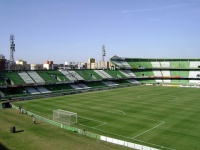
column 64, row 116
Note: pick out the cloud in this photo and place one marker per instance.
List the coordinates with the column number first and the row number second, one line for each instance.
column 154, row 9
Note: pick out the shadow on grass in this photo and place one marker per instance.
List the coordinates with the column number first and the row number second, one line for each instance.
column 2, row 147
column 19, row 131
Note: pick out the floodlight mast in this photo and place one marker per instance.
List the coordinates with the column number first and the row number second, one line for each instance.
column 12, row 49
column 103, row 53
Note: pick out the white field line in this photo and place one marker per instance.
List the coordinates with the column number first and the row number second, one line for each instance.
column 128, row 137
column 123, row 113
column 104, row 123
column 148, row 130
column 101, row 123
column 156, row 145
column 135, row 116
column 133, row 138
column 111, row 111
column 144, row 118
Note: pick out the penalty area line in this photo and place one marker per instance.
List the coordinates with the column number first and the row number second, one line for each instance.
column 152, row 144
column 100, row 125
column 148, row 130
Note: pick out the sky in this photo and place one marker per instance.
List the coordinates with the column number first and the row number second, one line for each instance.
column 75, row 30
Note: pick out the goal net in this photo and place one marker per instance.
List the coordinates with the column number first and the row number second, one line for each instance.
column 65, row 117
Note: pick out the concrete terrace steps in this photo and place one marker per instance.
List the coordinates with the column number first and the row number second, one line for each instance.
column 35, row 76
column 27, row 79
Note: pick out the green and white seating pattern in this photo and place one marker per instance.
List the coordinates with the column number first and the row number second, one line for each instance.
column 158, row 73
column 118, row 64
column 27, row 79
column 103, row 74
column 128, row 73
column 34, row 75
column 194, row 74
column 166, row 73
column 125, row 65
column 76, row 75
column 83, row 86
column 133, row 81
column 75, row 86
column 194, row 64
column 79, row 86
column 42, row 89
column 165, row 64
column 194, row 81
column 110, row 83
column 69, row 75
column 124, row 73
column 31, row 90
column 155, row 64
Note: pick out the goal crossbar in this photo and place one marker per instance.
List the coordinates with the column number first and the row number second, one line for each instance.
column 64, row 116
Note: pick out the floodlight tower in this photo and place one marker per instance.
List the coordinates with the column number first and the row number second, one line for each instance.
column 12, row 49
column 103, row 53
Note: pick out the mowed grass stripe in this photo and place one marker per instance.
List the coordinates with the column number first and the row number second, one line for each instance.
column 177, row 107
column 42, row 136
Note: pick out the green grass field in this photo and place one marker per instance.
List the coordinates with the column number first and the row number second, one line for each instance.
column 42, row 136
column 159, row 117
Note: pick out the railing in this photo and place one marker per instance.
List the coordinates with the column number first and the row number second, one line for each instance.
column 22, row 97
column 86, row 133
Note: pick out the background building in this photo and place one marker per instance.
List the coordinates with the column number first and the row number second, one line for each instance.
column 81, row 65
column 48, row 65
column 36, row 66
column 21, row 65
column 103, row 65
column 91, row 63
column 70, row 65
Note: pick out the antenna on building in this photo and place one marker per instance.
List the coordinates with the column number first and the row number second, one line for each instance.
column 12, row 49
column 103, row 53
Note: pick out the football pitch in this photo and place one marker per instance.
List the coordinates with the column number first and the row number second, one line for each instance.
column 155, row 116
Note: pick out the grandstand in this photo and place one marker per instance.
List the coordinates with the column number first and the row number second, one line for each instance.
column 26, row 77
column 179, row 71
column 34, row 75
column 126, row 72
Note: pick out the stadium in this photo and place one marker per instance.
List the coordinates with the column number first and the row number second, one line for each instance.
column 138, row 103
